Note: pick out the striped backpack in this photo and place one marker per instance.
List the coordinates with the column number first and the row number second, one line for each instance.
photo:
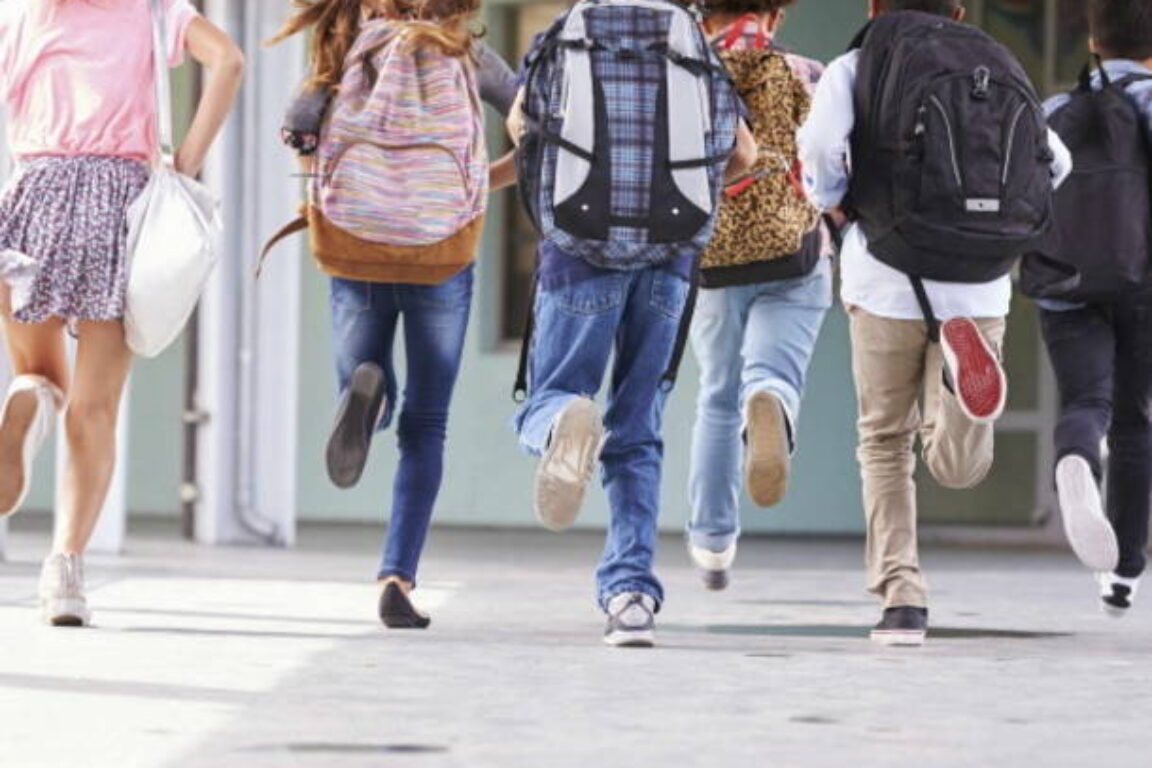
column 401, row 182
column 630, row 121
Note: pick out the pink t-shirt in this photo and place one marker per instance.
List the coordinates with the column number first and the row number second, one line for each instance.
column 76, row 76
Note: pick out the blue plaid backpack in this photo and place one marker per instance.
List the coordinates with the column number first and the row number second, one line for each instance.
column 630, row 120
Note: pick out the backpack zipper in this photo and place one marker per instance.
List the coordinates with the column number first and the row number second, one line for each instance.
column 951, row 140
column 1011, row 143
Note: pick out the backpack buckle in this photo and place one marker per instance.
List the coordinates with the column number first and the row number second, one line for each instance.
column 981, row 77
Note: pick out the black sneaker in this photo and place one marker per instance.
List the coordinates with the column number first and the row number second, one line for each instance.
column 356, row 421
column 397, row 611
column 902, row 625
column 631, row 621
column 1117, row 593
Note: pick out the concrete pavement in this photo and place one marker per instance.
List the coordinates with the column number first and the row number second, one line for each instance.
column 215, row 658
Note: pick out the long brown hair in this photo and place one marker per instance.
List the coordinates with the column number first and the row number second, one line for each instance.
column 439, row 24
column 336, row 24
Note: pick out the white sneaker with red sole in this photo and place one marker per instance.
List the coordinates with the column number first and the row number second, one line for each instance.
column 974, row 370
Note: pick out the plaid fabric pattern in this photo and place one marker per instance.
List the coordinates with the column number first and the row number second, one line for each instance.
column 631, row 87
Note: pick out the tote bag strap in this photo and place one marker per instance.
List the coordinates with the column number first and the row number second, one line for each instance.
column 163, row 81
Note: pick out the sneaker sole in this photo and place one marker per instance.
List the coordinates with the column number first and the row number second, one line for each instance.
column 351, row 439
column 899, row 639
column 19, row 417
column 66, row 613
column 558, row 500
column 1089, row 533
column 767, row 464
column 981, row 388
column 645, row 639
column 715, row 581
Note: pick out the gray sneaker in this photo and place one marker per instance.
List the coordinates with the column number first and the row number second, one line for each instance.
column 568, row 464
column 631, row 621
column 62, row 601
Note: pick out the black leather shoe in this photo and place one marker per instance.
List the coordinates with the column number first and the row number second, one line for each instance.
column 397, row 611
column 356, row 422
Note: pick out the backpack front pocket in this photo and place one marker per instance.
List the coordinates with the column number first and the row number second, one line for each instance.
column 370, row 193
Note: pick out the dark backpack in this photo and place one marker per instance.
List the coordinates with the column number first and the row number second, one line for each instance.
column 951, row 175
column 630, row 122
column 1104, row 208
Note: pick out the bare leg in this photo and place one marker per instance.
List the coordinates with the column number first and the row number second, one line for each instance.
column 103, row 361
column 35, row 348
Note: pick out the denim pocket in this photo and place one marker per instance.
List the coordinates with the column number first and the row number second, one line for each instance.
column 669, row 294
column 350, row 295
column 593, row 296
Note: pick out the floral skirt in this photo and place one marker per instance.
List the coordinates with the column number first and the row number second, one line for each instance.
column 63, row 236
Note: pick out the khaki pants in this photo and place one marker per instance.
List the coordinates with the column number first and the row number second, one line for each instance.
column 899, row 387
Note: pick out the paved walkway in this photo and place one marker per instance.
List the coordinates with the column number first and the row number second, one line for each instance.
column 214, row 658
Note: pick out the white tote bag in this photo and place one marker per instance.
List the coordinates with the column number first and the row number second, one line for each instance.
column 174, row 231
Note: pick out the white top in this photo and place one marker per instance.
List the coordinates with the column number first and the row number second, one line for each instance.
column 825, row 151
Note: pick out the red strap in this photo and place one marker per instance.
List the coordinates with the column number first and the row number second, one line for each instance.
column 761, row 37
column 735, row 30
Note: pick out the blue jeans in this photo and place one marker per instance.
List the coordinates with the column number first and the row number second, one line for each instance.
column 577, row 327
column 748, row 339
column 365, row 317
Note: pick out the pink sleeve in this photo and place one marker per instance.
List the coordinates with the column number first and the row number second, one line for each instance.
column 180, row 15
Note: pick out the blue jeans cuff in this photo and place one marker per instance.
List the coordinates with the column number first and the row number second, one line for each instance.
column 713, row 542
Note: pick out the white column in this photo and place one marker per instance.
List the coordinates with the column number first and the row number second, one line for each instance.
column 249, row 331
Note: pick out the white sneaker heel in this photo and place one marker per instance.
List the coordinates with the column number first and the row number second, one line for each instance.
column 26, row 421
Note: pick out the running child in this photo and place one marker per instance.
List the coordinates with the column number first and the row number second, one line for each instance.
column 396, row 225
column 1099, row 332
column 626, row 126
column 82, row 128
column 929, row 136
column 767, row 285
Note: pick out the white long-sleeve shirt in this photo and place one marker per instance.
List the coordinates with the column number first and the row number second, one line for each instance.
column 825, row 151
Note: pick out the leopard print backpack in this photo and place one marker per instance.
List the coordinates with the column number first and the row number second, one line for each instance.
column 765, row 215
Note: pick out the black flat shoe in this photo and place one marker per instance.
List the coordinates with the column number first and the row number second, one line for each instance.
column 397, row 611
column 355, row 425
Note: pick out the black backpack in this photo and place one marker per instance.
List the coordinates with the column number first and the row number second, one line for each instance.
column 1104, row 209
column 951, row 175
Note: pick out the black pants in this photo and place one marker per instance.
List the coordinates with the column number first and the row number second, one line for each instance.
column 1102, row 355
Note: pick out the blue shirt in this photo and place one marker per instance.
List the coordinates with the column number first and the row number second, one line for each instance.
column 1141, row 92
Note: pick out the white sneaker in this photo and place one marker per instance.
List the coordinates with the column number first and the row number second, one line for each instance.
column 631, row 621
column 1085, row 524
column 1117, row 593
column 568, row 464
column 62, row 601
column 27, row 419
column 713, row 566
